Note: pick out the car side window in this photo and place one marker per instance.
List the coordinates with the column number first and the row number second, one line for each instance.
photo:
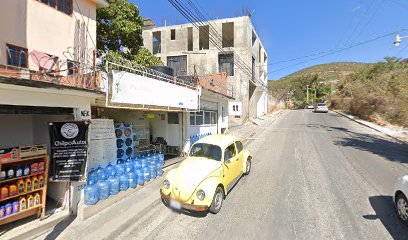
column 239, row 145
column 230, row 152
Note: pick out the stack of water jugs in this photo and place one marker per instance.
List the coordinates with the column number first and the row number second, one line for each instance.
column 103, row 182
column 197, row 137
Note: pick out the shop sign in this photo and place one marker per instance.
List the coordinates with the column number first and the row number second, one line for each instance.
column 69, row 147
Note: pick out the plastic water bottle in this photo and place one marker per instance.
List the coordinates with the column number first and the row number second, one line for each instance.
column 114, row 184
column 137, row 165
column 92, row 177
column 128, row 166
column 123, row 182
column 132, row 178
column 101, row 173
column 140, row 176
column 161, row 159
column 120, row 168
column 111, row 169
column 143, row 161
column 159, row 168
column 153, row 171
column 104, row 189
column 146, row 173
column 91, row 194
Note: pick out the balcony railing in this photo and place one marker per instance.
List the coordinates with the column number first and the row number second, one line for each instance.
column 88, row 81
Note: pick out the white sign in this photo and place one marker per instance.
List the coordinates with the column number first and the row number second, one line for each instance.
column 102, row 143
column 130, row 88
column 235, row 108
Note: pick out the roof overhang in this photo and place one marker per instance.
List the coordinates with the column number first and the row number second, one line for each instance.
column 101, row 3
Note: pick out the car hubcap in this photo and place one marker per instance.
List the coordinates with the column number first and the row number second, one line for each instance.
column 248, row 166
column 402, row 207
column 218, row 200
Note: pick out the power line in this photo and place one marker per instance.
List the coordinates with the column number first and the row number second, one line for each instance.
column 341, row 50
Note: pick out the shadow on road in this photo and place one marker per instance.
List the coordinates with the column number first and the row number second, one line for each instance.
column 386, row 213
column 390, row 149
column 60, row 227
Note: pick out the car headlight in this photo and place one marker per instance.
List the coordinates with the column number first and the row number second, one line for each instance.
column 166, row 184
column 200, row 195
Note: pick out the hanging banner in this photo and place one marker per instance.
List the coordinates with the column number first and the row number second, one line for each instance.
column 69, row 148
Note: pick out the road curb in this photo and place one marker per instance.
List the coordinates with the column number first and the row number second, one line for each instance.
column 366, row 125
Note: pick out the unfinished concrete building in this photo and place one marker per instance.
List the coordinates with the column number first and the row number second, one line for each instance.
column 225, row 45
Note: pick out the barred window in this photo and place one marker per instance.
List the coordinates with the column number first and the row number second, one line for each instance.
column 226, row 63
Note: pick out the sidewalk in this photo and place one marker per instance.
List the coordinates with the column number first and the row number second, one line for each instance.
column 108, row 223
column 398, row 133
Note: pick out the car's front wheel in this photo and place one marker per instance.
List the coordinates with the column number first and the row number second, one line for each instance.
column 248, row 166
column 217, row 200
column 402, row 208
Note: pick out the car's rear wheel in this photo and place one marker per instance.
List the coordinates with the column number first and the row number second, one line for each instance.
column 248, row 166
column 402, row 208
column 217, row 200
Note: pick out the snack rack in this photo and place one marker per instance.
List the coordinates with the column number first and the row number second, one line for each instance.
column 37, row 209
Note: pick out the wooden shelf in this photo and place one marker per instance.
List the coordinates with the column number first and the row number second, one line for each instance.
column 21, row 194
column 22, row 160
column 22, row 177
column 22, row 214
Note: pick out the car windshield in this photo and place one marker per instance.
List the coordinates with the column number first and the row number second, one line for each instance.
column 206, row 150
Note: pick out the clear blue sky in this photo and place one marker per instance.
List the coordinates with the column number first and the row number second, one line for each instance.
column 295, row 28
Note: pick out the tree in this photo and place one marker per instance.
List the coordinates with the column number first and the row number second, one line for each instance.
column 119, row 32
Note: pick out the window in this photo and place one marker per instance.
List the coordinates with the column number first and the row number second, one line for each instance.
column 173, row 34
column 192, row 119
column 17, row 56
column 206, row 150
column 64, row 6
column 213, row 118
column 190, row 39
column 199, row 118
column 73, row 67
column 179, row 64
column 173, row 118
column 230, row 152
column 239, row 145
column 226, row 63
column 228, row 34
column 204, row 37
column 156, row 42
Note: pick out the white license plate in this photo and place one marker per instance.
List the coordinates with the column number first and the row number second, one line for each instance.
column 174, row 204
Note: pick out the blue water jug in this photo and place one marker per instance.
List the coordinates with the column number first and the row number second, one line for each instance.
column 120, row 168
column 132, row 178
column 128, row 166
column 137, row 165
column 159, row 168
column 104, row 189
column 114, row 184
column 161, row 158
column 153, row 171
column 143, row 161
column 102, row 175
column 91, row 194
column 111, row 169
column 123, row 182
column 140, row 176
column 92, row 177
column 146, row 173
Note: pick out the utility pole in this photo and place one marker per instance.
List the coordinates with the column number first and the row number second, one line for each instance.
column 307, row 94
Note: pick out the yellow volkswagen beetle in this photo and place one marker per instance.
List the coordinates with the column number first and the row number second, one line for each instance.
column 201, row 182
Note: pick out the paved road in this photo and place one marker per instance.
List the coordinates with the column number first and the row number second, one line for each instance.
column 314, row 176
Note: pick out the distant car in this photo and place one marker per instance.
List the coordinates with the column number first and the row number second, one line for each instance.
column 309, row 107
column 202, row 181
column 400, row 198
column 321, row 107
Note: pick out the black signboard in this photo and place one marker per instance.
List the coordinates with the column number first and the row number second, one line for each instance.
column 69, row 147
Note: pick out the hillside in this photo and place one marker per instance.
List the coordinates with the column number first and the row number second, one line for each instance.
column 319, row 78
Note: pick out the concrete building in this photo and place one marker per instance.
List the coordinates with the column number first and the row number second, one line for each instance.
column 226, row 45
column 46, row 72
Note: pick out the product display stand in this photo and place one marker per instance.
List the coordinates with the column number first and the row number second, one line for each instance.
column 38, row 209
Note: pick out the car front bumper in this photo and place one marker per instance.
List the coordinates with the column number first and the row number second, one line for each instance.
column 185, row 206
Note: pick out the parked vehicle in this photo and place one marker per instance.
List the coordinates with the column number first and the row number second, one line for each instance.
column 321, row 107
column 201, row 182
column 309, row 107
column 400, row 198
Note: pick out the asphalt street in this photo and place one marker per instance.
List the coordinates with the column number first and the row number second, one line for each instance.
column 314, row 176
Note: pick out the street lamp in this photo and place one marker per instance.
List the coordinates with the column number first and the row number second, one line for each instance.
column 398, row 39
